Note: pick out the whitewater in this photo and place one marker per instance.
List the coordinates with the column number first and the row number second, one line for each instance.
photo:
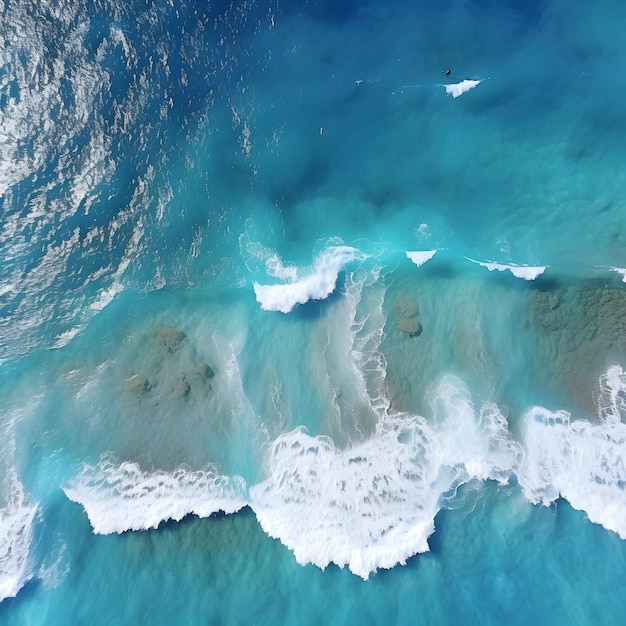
column 312, row 313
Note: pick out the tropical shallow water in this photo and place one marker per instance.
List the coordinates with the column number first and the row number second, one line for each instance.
column 296, row 328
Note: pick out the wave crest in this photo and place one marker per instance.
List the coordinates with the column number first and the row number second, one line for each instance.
column 314, row 283
column 122, row 497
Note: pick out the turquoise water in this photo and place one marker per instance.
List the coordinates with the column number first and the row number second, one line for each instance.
column 295, row 328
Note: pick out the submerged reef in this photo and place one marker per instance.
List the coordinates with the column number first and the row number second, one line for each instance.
column 582, row 330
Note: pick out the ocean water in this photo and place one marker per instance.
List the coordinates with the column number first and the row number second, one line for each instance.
column 295, row 328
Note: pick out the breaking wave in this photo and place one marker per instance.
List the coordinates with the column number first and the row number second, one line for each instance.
column 16, row 530
column 458, row 89
column 583, row 462
column 123, row 497
column 421, row 257
column 316, row 282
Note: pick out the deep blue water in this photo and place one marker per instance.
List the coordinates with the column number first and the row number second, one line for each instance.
column 296, row 328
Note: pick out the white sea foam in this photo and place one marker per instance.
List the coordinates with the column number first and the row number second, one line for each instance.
column 351, row 508
column 421, row 257
column 527, row 272
column 62, row 339
column 349, row 369
column 578, row 460
column 621, row 271
column 458, row 89
column 123, row 497
column 373, row 506
column 365, row 296
column 106, row 296
column 16, row 529
column 612, row 399
column 55, row 566
column 316, row 282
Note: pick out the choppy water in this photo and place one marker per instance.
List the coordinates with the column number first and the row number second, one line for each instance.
column 295, row 328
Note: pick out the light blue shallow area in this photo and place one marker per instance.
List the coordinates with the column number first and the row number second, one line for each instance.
column 161, row 162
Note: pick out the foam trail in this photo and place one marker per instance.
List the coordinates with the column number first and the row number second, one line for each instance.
column 351, row 372
column 365, row 333
column 374, row 505
column 421, row 257
column 580, row 461
column 527, row 272
column 458, row 89
column 313, row 283
column 612, row 400
column 122, row 497
column 16, row 529
column 621, row 271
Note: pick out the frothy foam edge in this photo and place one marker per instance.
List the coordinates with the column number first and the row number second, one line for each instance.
column 581, row 461
column 122, row 497
column 62, row 339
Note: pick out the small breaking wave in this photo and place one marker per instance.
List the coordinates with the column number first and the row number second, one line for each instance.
column 316, row 282
column 421, row 257
column 458, row 89
column 526, row 272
